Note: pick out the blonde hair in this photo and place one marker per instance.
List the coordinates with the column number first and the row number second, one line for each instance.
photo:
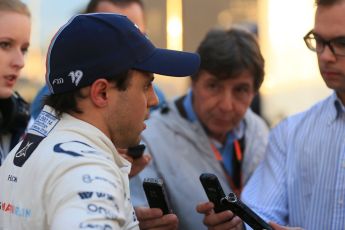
column 14, row 6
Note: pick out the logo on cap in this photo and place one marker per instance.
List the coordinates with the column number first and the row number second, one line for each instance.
column 76, row 76
column 58, row 81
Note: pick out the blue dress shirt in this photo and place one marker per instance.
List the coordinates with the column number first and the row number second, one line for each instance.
column 301, row 181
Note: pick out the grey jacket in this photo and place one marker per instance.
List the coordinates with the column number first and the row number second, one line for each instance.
column 181, row 151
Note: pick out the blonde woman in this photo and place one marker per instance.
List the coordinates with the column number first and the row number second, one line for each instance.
column 15, row 25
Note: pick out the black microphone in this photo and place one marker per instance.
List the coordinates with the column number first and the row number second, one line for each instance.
column 136, row 151
column 244, row 212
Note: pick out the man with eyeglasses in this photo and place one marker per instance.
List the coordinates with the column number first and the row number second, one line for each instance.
column 317, row 44
column 301, row 181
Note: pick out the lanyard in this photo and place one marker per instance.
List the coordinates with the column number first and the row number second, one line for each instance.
column 1, row 151
column 236, row 182
column 238, row 152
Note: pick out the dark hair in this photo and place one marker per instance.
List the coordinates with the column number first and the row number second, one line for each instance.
column 68, row 102
column 326, row 2
column 226, row 53
column 91, row 7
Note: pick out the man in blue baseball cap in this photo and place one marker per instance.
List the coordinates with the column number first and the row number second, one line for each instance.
column 99, row 71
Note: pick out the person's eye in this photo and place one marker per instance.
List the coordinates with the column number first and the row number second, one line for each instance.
column 5, row 45
column 242, row 89
column 148, row 85
column 339, row 42
column 212, row 85
column 25, row 50
column 319, row 41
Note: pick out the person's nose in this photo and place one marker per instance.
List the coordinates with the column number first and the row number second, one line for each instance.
column 152, row 98
column 226, row 101
column 18, row 59
column 327, row 55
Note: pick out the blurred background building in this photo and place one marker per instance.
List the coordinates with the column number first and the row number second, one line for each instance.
column 292, row 82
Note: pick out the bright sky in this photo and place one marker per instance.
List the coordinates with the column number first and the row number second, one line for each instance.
column 49, row 15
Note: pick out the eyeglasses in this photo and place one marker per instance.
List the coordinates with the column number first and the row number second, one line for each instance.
column 317, row 44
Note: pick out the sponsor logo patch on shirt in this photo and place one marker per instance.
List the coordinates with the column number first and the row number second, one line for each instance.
column 14, row 209
column 42, row 126
column 44, row 123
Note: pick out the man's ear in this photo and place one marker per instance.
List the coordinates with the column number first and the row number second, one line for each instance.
column 99, row 92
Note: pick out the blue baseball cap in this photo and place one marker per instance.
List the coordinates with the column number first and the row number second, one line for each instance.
column 102, row 45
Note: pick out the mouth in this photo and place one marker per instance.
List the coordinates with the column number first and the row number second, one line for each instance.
column 147, row 115
column 330, row 74
column 329, row 71
column 11, row 79
column 221, row 119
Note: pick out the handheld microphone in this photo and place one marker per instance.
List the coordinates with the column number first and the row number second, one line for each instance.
column 244, row 212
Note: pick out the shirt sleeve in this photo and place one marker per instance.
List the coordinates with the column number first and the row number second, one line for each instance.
column 88, row 196
column 266, row 191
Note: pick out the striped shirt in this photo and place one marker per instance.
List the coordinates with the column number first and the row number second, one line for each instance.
column 301, row 181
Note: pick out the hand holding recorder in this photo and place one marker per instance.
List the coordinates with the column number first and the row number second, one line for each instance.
column 221, row 202
column 231, row 202
column 136, row 156
column 155, row 194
